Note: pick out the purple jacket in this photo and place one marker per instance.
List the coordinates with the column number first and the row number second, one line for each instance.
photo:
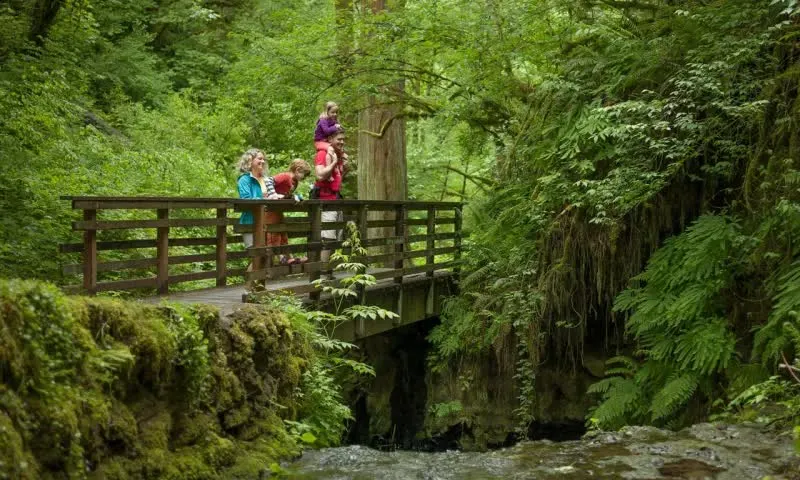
column 325, row 128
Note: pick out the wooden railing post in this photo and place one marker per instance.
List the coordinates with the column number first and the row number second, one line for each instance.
column 90, row 254
column 363, row 226
column 258, row 235
column 430, row 245
column 315, row 248
column 221, row 248
column 431, row 240
column 363, row 232
column 400, row 231
column 400, row 246
column 457, row 238
column 162, row 253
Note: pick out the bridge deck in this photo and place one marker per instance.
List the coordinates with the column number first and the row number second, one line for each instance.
column 227, row 299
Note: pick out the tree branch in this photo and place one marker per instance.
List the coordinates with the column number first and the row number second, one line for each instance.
column 483, row 183
column 789, row 368
column 384, row 126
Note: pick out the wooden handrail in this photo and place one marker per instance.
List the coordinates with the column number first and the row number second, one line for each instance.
column 110, row 260
column 108, row 203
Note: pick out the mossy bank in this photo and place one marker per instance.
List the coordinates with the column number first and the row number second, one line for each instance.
column 105, row 389
column 470, row 404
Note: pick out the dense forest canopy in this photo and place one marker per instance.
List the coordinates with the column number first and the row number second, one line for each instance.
column 630, row 167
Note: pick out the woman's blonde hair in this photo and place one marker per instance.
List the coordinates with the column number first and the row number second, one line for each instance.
column 300, row 165
column 328, row 107
column 246, row 161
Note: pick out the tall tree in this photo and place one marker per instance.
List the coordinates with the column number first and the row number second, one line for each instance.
column 382, row 151
column 382, row 134
column 382, row 138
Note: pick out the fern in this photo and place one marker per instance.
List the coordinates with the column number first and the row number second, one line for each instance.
column 605, row 385
column 706, row 348
column 620, row 404
column 673, row 396
column 772, row 340
column 677, row 319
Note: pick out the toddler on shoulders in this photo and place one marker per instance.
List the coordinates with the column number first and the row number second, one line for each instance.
column 327, row 125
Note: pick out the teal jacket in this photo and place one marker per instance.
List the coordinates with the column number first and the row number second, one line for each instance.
column 249, row 188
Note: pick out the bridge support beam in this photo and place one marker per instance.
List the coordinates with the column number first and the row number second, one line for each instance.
column 414, row 302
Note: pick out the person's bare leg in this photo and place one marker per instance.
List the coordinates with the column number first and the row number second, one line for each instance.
column 248, row 242
column 324, row 256
column 249, row 284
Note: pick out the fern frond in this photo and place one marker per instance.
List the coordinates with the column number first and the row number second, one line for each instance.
column 604, row 385
column 619, row 406
column 771, row 340
column 673, row 396
column 707, row 348
column 474, row 278
column 626, row 362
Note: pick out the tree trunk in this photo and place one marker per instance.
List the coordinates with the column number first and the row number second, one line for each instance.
column 382, row 153
column 43, row 15
column 381, row 160
column 382, row 144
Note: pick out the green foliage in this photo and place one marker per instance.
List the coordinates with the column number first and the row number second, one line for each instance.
column 679, row 317
column 583, row 137
column 192, row 358
column 99, row 388
column 445, row 409
column 323, row 411
column 350, row 286
column 615, row 128
column 774, row 401
column 781, row 334
column 678, row 320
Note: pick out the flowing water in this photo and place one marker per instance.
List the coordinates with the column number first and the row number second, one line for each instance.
column 702, row 451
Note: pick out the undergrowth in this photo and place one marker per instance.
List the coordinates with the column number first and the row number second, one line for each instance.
column 649, row 212
column 101, row 388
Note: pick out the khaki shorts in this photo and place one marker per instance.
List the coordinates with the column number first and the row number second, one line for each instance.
column 330, row 216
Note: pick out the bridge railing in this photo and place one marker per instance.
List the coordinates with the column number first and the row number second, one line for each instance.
column 158, row 242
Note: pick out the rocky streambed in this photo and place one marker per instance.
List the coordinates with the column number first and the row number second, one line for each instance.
column 724, row 452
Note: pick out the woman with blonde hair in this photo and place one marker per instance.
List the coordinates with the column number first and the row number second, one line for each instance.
column 253, row 171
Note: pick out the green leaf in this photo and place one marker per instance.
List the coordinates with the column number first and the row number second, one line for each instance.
column 308, row 438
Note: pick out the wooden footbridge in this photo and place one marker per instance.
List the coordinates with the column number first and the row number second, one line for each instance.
column 190, row 250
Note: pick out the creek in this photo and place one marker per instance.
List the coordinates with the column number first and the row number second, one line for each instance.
column 723, row 452
column 396, row 437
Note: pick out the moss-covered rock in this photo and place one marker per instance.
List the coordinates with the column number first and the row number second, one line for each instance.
column 107, row 389
column 15, row 461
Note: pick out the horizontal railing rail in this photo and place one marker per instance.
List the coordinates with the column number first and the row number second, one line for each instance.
column 157, row 242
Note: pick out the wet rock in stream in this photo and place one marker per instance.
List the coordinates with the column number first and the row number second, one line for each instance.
column 723, row 452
